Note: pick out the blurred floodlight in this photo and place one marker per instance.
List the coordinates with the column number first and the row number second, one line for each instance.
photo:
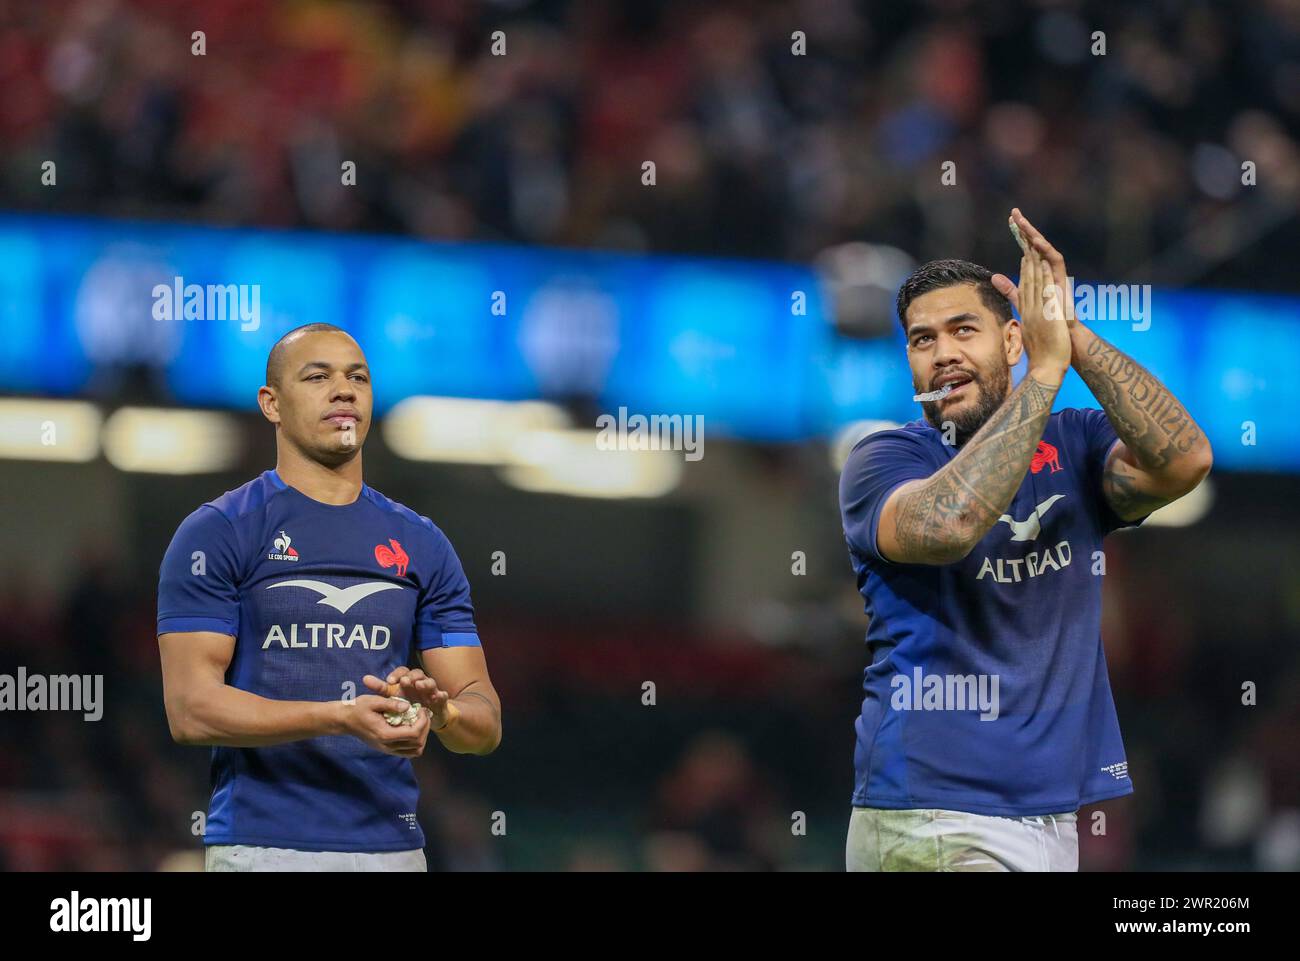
column 848, row 436
column 154, row 441
column 188, row 862
column 569, row 462
column 61, row 430
column 1235, row 803
column 863, row 280
column 462, row 431
column 1185, row 511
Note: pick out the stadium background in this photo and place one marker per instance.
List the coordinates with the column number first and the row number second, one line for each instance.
column 820, row 170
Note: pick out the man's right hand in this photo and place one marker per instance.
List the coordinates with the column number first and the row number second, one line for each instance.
column 363, row 718
column 1044, row 333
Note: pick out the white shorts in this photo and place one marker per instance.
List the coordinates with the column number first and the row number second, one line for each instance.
column 928, row 839
column 244, row 857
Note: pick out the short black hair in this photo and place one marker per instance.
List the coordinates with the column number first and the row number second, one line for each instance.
column 275, row 359
column 938, row 274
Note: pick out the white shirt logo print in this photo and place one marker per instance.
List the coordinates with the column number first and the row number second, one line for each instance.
column 340, row 598
column 1029, row 528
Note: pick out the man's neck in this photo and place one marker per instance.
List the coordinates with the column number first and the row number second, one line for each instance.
column 338, row 485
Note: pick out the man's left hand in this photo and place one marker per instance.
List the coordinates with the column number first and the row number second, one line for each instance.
column 418, row 688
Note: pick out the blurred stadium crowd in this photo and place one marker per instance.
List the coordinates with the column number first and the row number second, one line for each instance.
column 1131, row 161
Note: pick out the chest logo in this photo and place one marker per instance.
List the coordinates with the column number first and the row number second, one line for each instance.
column 1045, row 456
column 340, row 598
column 390, row 554
column 1029, row 528
column 282, row 552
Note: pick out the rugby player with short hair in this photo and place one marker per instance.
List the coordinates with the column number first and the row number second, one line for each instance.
column 281, row 602
column 976, row 538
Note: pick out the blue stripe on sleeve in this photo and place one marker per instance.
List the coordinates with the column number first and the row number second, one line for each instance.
column 461, row 640
column 432, row 637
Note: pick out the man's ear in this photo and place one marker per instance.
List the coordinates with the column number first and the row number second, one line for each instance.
column 269, row 404
column 1011, row 342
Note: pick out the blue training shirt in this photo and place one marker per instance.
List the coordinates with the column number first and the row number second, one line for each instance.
column 316, row 597
column 987, row 690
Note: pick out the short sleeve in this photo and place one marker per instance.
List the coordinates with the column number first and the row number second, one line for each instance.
column 198, row 582
column 881, row 463
column 1099, row 437
column 444, row 616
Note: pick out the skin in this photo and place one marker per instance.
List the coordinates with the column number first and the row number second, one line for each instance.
column 1161, row 454
column 325, row 373
column 938, row 519
column 948, row 319
column 419, row 687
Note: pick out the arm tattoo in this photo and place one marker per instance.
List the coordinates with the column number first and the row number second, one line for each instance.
column 1149, row 419
column 1120, row 485
column 939, row 521
column 1156, row 429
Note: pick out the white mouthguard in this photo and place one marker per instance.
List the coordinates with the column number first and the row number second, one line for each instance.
column 939, row 394
column 1015, row 232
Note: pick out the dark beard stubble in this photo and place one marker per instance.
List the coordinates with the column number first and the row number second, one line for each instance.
column 992, row 392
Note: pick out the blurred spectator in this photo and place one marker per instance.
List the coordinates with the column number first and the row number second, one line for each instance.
column 1131, row 159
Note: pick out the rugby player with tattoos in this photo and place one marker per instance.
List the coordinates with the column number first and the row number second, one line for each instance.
column 976, row 538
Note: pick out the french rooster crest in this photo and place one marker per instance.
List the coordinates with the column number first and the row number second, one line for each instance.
column 392, row 554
